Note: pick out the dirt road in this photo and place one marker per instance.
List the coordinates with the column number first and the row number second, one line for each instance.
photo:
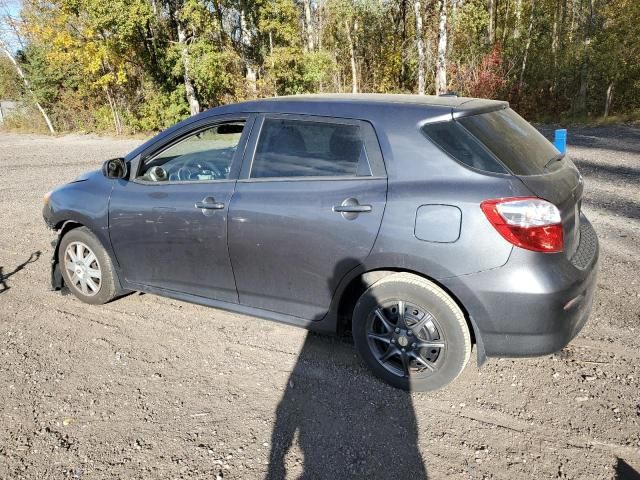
column 147, row 387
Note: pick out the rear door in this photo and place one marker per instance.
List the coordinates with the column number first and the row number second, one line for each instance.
column 535, row 161
column 306, row 210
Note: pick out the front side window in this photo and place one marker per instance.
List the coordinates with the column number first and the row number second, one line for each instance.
column 302, row 148
column 202, row 156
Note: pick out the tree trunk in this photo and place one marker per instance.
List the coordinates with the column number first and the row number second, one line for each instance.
column 245, row 44
column 505, row 22
column 419, row 47
column 573, row 20
column 403, row 40
column 319, row 27
column 27, row 85
column 555, row 42
column 352, row 54
column 581, row 101
column 441, row 62
column 114, row 113
column 607, row 104
column 528, row 44
column 308, row 25
column 518, row 14
column 492, row 21
column 194, row 105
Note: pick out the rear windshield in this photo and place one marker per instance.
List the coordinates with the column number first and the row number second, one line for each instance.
column 495, row 140
column 517, row 144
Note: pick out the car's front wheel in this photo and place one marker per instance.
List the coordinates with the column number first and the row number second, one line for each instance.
column 86, row 267
column 410, row 333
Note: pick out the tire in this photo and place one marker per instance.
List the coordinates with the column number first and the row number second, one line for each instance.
column 69, row 256
column 424, row 350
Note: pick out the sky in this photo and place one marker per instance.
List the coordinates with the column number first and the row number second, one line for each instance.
column 11, row 9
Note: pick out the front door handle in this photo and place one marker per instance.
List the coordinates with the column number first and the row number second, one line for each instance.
column 350, row 208
column 209, row 203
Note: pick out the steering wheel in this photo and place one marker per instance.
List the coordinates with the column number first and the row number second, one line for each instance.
column 195, row 165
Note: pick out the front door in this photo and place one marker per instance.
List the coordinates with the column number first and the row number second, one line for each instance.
column 168, row 225
column 308, row 211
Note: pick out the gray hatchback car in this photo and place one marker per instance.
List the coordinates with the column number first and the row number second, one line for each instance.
column 422, row 225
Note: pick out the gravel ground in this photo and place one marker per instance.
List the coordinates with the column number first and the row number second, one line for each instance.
column 147, row 387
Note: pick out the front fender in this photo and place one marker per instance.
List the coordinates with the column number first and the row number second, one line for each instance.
column 84, row 202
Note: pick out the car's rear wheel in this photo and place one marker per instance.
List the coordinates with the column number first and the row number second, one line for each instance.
column 86, row 267
column 410, row 333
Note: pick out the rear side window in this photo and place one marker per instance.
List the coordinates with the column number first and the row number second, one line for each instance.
column 301, row 148
column 458, row 143
column 515, row 142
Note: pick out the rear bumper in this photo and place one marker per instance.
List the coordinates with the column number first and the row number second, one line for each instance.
column 535, row 304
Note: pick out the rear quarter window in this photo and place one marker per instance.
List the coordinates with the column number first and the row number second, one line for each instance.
column 458, row 143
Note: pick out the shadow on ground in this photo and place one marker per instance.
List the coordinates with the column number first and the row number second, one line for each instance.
column 617, row 174
column 4, row 287
column 335, row 422
column 330, row 427
column 624, row 471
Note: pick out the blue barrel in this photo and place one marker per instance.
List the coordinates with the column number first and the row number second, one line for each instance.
column 560, row 140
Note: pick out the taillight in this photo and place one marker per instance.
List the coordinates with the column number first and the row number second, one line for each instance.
column 527, row 222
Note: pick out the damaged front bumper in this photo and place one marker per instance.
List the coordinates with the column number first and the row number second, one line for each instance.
column 56, row 276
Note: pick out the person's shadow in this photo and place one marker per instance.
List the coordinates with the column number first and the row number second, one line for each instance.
column 347, row 423
column 4, row 276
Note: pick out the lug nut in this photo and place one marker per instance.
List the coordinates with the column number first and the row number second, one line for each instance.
column 397, row 330
column 413, row 345
column 409, row 333
column 393, row 340
column 403, row 349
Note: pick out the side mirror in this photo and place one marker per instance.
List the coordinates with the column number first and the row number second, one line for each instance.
column 115, row 168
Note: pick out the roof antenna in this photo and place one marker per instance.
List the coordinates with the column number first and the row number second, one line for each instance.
column 449, row 94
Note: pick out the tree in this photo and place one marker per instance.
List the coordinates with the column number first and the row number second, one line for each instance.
column 420, row 47
column 441, row 63
column 8, row 26
column 132, row 65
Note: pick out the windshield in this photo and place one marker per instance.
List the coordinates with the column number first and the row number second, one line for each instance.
column 513, row 140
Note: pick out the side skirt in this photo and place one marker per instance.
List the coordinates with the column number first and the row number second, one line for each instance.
column 326, row 325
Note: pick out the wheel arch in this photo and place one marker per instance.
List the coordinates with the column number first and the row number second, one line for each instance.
column 63, row 227
column 358, row 282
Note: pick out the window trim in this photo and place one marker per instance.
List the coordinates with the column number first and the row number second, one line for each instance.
column 182, row 134
column 372, row 149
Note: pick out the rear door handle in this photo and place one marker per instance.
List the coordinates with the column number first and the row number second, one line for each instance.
column 209, row 203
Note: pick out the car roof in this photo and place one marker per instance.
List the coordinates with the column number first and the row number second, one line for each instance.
column 336, row 103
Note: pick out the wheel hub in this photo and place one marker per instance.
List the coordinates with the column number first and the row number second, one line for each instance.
column 80, row 271
column 405, row 338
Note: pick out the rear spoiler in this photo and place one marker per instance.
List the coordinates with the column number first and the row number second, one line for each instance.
column 476, row 107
